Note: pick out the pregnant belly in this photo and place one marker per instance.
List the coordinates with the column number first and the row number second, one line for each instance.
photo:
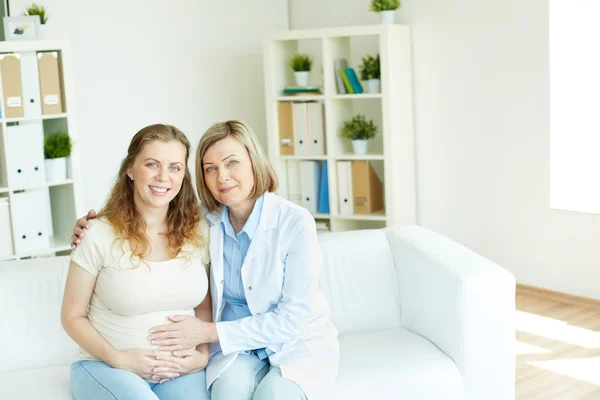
column 130, row 332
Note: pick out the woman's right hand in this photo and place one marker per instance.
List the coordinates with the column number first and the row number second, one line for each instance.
column 142, row 362
column 80, row 225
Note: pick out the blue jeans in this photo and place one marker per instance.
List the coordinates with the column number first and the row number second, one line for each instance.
column 96, row 380
column 249, row 378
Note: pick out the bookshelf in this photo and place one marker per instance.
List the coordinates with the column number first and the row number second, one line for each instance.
column 53, row 212
column 391, row 152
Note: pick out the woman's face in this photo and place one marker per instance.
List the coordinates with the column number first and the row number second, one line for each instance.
column 228, row 172
column 158, row 172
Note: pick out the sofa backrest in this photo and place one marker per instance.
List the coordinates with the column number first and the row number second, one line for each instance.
column 359, row 281
column 31, row 294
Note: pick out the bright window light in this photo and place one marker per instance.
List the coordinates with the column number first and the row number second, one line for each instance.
column 575, row 105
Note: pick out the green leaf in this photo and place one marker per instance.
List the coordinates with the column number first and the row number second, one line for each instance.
column 57, row 145
column 36, row 9
column 358, row 128
column 384, row 5
column 370, row 68
column 301, row 62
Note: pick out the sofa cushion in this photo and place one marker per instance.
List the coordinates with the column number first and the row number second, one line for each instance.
column 395, row 364
column 358, row 279
column 50, row 383
column 31, row 293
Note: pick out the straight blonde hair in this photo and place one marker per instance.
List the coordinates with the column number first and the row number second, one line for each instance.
column 265, row 179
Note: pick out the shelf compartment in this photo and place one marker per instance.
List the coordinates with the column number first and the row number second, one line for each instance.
column 351, row 157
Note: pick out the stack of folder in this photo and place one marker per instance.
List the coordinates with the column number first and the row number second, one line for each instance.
column 308, row 185
column 31, row 84
column 301, row 129
column 360, row 190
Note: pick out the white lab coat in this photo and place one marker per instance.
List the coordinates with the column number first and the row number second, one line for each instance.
column 290, row 316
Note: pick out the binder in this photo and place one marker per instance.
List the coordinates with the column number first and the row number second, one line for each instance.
column 10, row 69
column 367, row 191
column 300, row 128
column 25, row 155
column 346, row 80
column 350, row 185
column 344, row 201
column 6, row 240
column 286, row 128
column 31, row 225
column 30, row 82
column 339, row 83
column 318, row 130
column 353, row 79
column 323, row 203
column 309, row 145
column 50, row 83
column 309, row 184
column 293, row 182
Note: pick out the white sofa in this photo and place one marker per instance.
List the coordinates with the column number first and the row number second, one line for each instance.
column 420, row 317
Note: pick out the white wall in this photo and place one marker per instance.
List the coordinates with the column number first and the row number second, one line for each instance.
column 189, row 63
column 482, row 125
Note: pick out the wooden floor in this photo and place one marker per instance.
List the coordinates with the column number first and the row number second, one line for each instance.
column 558, row 350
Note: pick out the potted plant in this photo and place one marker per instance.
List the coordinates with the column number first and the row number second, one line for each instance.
column 301, row 64
column 370, row 72
column 39, row 10
column 386, row 9
column 359, row 131
column 57, row 147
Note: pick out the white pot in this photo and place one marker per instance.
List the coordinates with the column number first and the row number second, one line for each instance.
column 374, row 86
column 56, row 170
column 387, row 17
column 302, row 78
column 42, row 34
column 360, row 147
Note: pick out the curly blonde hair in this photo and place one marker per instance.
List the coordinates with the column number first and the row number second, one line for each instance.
column 183, row 215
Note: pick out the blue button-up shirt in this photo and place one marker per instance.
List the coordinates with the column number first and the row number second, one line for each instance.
column 235, row 248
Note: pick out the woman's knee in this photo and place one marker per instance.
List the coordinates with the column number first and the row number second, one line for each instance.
column 274, row 387
column 96, row 380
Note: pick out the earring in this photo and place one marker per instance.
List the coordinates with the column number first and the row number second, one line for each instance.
column 131, row 177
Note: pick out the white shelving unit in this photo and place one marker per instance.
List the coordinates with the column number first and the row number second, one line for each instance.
column 65, row 196
column 392, row 151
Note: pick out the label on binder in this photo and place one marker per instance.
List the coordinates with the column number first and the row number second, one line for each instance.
column 13, row 101
column 51, row 99
column 286, row 142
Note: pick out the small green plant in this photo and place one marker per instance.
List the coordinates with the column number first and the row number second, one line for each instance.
column 358, row 129
column 370, row 68
column 301, row 62
column 36, row 9
column 384, row 5
column 57, row 145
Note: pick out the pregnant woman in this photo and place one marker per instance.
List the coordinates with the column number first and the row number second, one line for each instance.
column 144, row 258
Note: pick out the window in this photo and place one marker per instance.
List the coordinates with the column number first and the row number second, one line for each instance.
column 574, row 39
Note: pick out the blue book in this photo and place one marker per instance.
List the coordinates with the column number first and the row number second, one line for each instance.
column 323, row 204
column 356, row 86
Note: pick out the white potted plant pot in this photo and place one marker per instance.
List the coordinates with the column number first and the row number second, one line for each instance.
column 387, row 16
column 374, row 86
column 56, row 169
column 360, row 147
column 42, row 34
column 302, row 78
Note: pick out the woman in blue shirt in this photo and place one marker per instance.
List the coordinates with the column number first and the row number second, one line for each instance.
column 271, row 337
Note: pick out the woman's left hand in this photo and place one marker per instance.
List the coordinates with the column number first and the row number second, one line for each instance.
column 184, row 333
column 190, row 361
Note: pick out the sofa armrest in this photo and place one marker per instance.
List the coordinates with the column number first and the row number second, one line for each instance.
column 461, row 302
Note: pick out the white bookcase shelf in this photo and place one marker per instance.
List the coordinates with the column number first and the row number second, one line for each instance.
column 391, row 152
column 63, row 198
